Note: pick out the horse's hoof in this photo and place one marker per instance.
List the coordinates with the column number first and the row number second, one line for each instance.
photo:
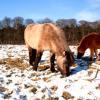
column 91, row 59
column 35, row 68
column 66, row 75
column 53, row 70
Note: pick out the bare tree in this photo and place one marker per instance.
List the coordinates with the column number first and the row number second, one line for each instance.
column 28, row 21
column 66, row 22
column 6, row 22
column 1, row 25
column 17, row 22
column 45, row 20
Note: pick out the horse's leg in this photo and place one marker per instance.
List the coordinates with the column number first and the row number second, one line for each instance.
column 32, row 55
column 99, row 56
column 91, row 54
column 37, row 60
column 96, row 53
column 52, row 59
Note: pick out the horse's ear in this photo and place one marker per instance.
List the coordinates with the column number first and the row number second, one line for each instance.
column 78, row 44
column 64, row 53
column 72, row 53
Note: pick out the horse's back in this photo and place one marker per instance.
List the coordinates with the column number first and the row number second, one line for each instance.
column 93, row 40
column 45, row 37
column 97, row 41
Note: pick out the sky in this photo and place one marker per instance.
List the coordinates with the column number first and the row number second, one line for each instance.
column 54, row 9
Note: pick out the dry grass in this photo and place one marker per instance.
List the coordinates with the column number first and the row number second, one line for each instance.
column 67, row 95
column 43, row 67
column 2, row 61
column 11, row 63
column 98, row 87
column 98, row 62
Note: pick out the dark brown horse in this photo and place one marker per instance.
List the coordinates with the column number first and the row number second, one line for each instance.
column 40, row 37
column 91, row 41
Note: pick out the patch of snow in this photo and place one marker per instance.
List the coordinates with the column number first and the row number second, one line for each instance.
column 17, row 84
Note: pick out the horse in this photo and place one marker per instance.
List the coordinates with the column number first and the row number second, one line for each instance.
column 91, row 41
column 41, row 37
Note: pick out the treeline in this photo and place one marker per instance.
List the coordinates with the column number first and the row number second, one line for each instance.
column 12, row 30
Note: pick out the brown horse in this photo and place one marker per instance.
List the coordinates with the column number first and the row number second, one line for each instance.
column 40, row 37
column 91, row 41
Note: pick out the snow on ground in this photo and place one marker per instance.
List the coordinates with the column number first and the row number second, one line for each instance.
column 17, row 83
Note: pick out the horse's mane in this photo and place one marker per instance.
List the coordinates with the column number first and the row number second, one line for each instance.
column 56, row 37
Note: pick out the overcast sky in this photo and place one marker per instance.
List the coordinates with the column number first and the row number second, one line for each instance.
column 54, row 9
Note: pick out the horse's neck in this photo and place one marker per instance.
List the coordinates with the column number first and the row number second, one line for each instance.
column 83, row 46
column 60, row 51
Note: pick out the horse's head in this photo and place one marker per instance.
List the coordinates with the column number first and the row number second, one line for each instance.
column 80, row 52
column 64, row 62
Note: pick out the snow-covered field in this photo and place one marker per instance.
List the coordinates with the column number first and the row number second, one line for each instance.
column 19, row 82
